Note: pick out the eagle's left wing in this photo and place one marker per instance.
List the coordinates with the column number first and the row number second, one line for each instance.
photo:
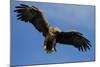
column 32, row 15
column 75, row 39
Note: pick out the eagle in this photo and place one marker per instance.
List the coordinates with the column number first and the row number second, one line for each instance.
column 52, row 35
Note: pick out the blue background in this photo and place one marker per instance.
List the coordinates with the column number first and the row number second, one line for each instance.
column 27, row 42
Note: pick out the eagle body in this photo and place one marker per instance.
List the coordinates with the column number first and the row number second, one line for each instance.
column 52, row 35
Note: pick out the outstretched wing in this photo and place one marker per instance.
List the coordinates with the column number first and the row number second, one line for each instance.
column 75, row 39
column 34, row 16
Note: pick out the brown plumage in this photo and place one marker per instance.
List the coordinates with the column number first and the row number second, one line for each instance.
column 52, row 34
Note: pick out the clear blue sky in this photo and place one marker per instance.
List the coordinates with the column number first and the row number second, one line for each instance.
column 27, row 42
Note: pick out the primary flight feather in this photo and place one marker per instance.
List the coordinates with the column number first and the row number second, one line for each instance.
column 52, row 34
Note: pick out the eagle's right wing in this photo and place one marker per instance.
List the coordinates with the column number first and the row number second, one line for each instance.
column 34, row 16
column 75, row 39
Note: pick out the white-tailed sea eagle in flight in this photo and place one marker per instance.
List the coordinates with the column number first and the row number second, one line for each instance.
column 52, row 34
